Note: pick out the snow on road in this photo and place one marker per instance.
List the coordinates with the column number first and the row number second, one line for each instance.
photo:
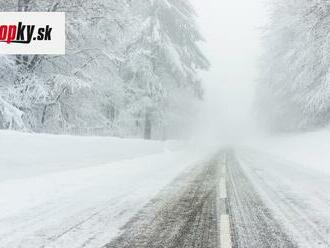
column 292, row 174
column 253, row 224
column 84, row 204
column 298, row 194
column 70, row 192
column 183, row 215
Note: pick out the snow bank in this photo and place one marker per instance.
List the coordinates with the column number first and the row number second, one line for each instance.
column 310, row 150
column 24, row 154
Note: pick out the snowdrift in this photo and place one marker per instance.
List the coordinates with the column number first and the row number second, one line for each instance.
column 25, row 154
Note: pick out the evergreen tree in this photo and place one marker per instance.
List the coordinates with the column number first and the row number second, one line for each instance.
column 169, row 59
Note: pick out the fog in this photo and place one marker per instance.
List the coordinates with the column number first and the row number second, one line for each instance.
column 233, row 31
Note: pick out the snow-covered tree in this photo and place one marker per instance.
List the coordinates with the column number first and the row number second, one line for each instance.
column 125, row 61
column 294, row 90
column 164, row 59
column 54, row 91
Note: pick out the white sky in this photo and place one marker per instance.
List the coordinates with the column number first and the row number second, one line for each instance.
column 233, row 35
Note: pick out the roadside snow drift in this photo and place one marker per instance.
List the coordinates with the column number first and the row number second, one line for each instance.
column 310, row 150
column 24, row 154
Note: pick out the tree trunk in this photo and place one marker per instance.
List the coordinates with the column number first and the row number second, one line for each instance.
column 147, row 125
column 44, row 115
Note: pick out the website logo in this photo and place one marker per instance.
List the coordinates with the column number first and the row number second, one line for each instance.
column 32, row 33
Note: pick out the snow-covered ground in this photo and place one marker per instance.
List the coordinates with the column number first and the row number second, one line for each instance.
column 292, row 174
column 310, row 150
column 24, row 154
column 66, row 192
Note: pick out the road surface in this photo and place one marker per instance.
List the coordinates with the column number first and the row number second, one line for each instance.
column 239, row 199
column 213, row 204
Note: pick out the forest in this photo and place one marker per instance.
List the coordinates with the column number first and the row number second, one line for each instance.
column 131, row 69
column 293, row 88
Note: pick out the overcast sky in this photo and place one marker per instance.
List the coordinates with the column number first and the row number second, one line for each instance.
column 232, row 29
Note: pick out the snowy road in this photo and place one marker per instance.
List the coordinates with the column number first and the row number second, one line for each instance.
column 83, row 207
column 183, row 215
column 253, row 223
column 212, row 205
column 238, row 198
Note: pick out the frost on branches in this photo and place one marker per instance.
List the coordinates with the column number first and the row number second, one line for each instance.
column 130, row 69
column 294, row 90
